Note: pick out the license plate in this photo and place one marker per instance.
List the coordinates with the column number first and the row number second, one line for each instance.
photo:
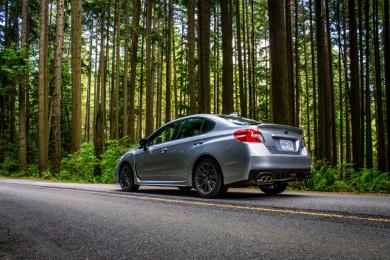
column 286, row 145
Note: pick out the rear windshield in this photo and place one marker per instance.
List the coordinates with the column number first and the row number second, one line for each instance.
column 240, row 120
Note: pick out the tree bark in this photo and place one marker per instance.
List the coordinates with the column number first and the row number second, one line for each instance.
column 227, row 52
column 134, row 52
column 331, row 107
column 369, row 160
column 279, row 71
column 243, row 101
column 56, row 98
column 22, row 91
column 43, row 87
column 126, row 72
column 89, row 84
column 290, row 64
column 204, row 55
column 149, row 76
column 76, row 74
column 191, row 55
column 169, row 31
column 386, row 29
column 380, row 138
column 314, row 81
column 117, row 73
column 324, row 121
column 355, row 93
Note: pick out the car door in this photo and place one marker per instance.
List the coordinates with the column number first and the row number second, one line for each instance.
column 190, row 137
column 151, row 161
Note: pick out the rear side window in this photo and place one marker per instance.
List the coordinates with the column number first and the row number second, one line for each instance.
column 239, row 120
column 193, row 127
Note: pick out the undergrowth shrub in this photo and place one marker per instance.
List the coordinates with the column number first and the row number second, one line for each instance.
column 343, row 177
column 79, row 166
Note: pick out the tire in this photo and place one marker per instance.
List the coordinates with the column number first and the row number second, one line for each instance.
column 208, row 180
column 184, row 188
column 126, row 178
column 273, row 189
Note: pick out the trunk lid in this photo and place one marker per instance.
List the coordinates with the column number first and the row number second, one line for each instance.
column 282, row 139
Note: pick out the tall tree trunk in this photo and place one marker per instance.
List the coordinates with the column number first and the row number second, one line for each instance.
column 126, row 73
column 369, row 160
column 314, row 82
column 112, row 104
column 76, row 75
column 243, row 101
column 290, row 64
column 324, row 125
column 204, row 55
column 56, row 98
column 43, row 87
column 307, row 92
column 297, row 67
column 380, row 138
column 355, row 93
column 191, row 54
column 99, row 114
column 149, row 76
column 244, row 46
column 253, row 63
column 347, row 92
column 227, row 52
column 331, row 107
column 279, row 71
column 386, row 29
column 361, row 87
column 341, row 127
column 133, row 75
column 216, row 67
column 160, row 64
column 22, row 91
column 141, row 86
column 117, row 73
column 89, row 83
column 249, row 59
column 169, row 31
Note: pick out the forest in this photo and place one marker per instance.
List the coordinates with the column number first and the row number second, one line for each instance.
column 81, row 81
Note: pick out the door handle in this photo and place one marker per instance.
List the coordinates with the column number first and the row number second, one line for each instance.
column 163, row 150
column 198, row 143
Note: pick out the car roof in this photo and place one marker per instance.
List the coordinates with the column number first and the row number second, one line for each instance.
column 213, row 117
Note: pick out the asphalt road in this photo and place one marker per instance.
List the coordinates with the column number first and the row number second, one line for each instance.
column 43, row 220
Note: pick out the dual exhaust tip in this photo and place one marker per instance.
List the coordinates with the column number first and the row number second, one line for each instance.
column 266, row 179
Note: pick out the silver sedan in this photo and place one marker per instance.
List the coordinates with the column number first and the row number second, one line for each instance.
column 211, row 153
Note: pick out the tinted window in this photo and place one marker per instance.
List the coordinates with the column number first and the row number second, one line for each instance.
column 240, row 120
column 194, row 126
column 163, row 135
column 207, row 126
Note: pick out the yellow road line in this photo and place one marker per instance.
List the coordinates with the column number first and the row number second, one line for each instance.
column 232, row 206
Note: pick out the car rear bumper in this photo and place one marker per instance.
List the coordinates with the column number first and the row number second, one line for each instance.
column 279, row 174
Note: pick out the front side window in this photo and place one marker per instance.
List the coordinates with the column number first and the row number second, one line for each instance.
column 163, row 135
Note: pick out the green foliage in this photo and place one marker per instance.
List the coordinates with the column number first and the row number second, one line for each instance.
column 112, row 153
column 343, row 178
column 8, row 166
column 79, row 166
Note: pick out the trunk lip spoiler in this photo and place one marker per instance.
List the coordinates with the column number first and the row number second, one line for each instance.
column 279, row 126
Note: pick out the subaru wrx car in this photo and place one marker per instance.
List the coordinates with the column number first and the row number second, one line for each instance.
column 211, row 153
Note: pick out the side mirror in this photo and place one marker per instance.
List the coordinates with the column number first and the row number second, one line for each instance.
column 143, row 143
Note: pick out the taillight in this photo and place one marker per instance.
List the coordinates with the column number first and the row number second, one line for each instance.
column 248, row 135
